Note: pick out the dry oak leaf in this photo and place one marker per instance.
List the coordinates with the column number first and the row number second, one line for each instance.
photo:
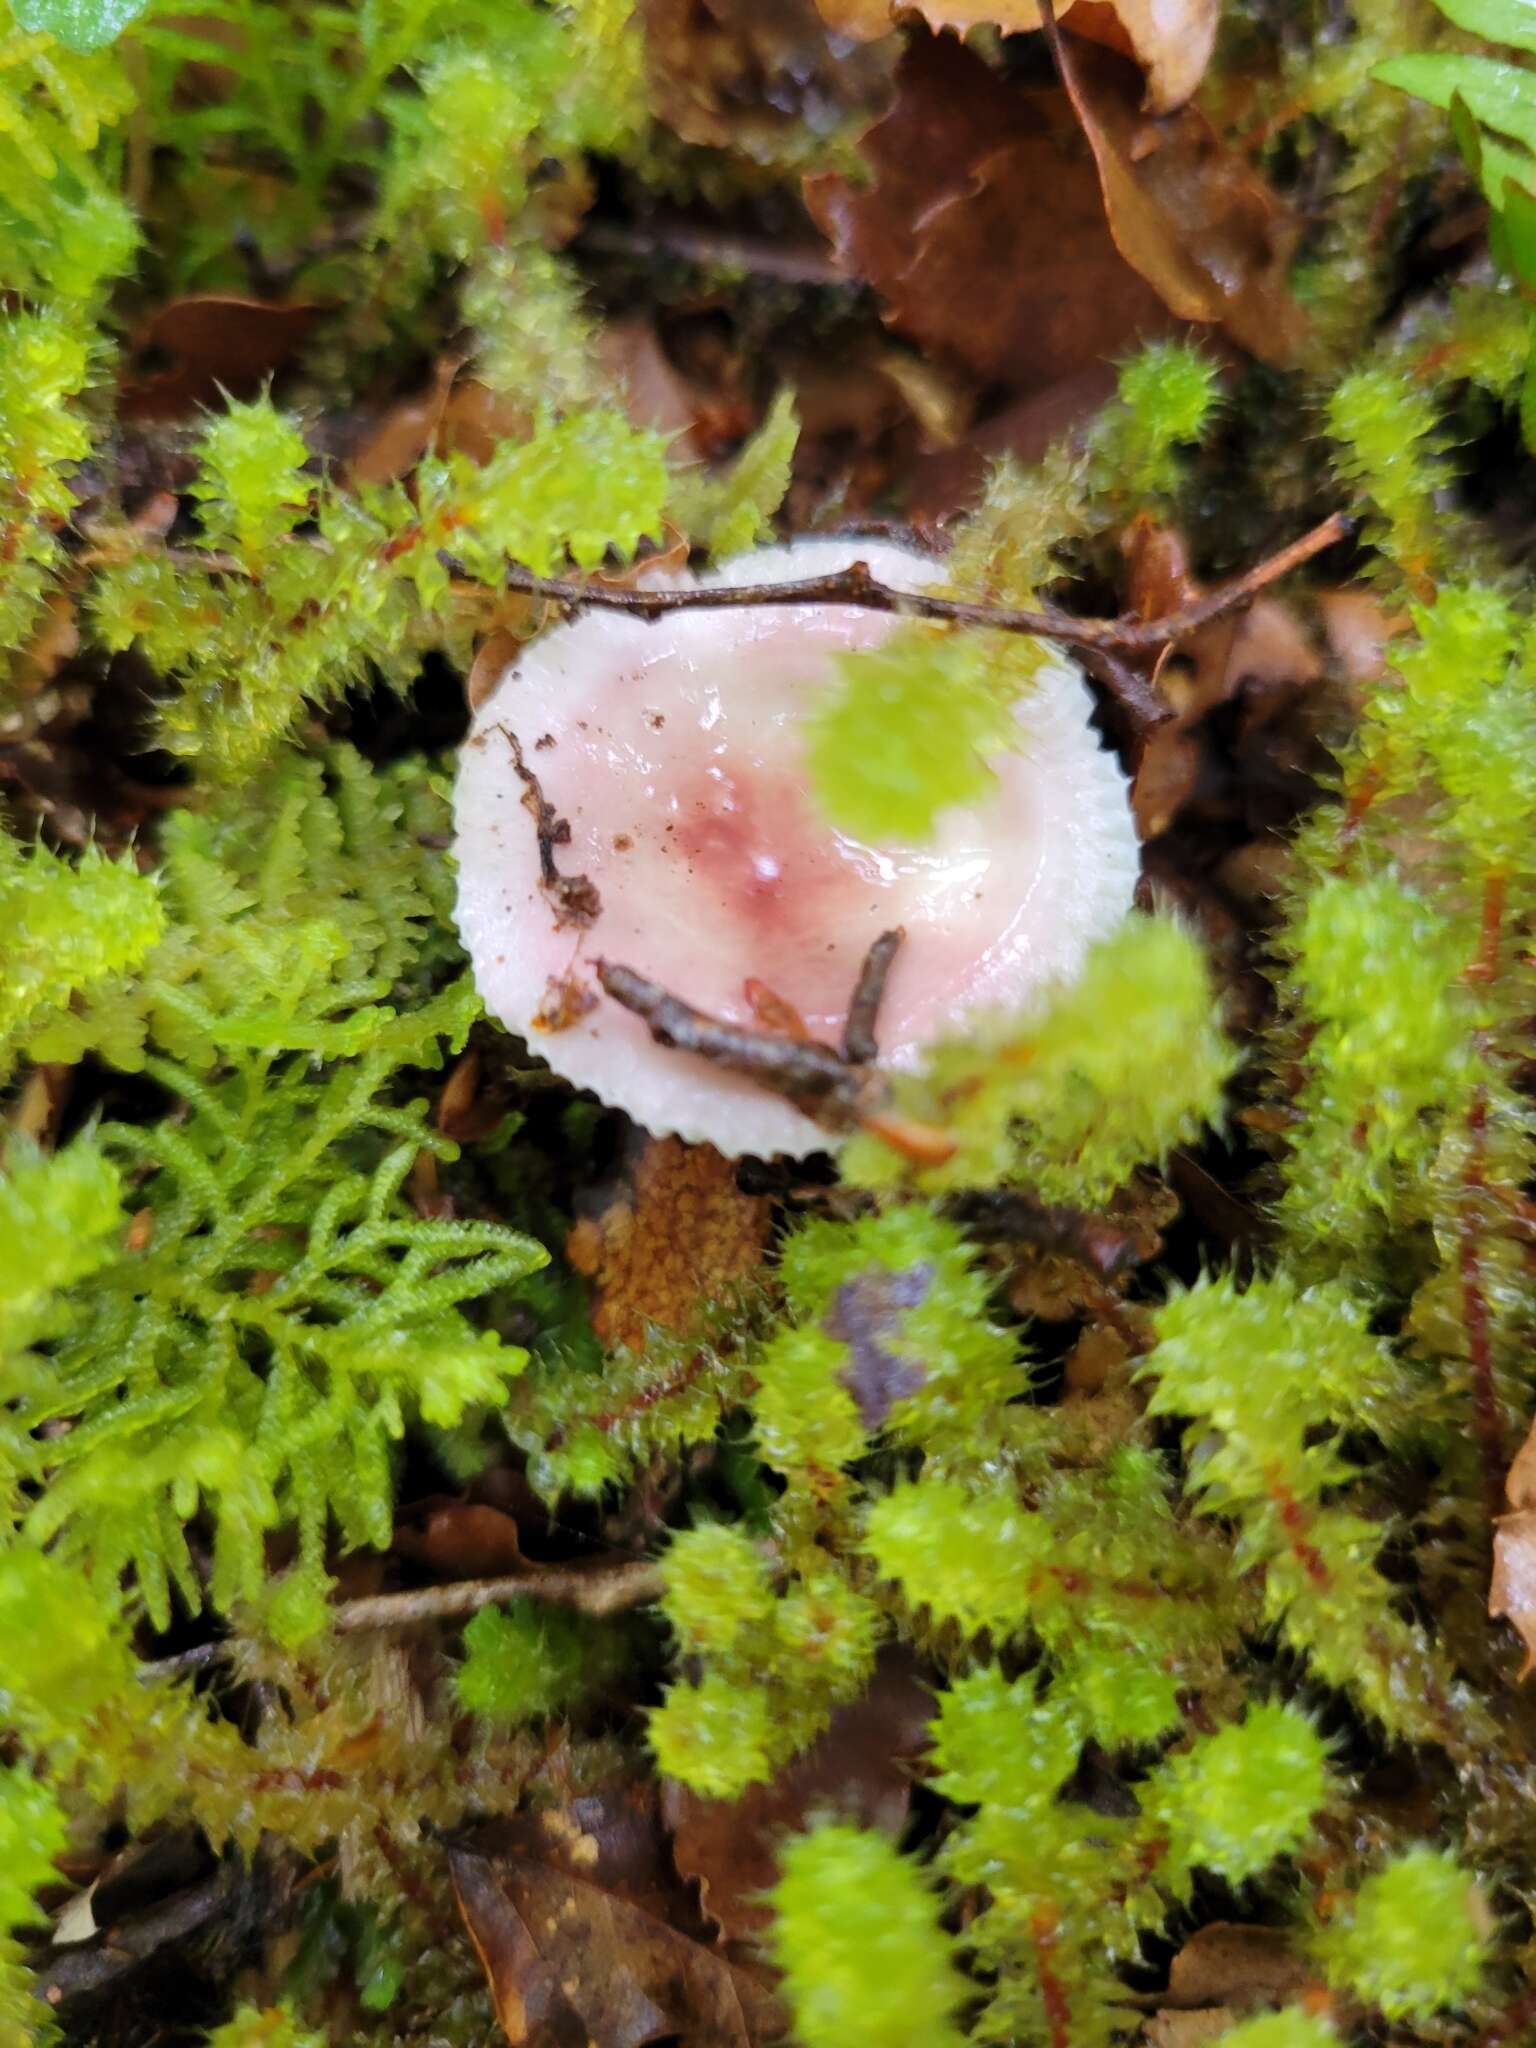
column 983, row 228
column 676, row 1236
column 577, row 1956
column 1512, row 1589
column 857, row 1769
column 1187, row 211
column 1171, row 40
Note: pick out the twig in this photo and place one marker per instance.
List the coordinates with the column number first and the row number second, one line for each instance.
column 80, row 1970
column 574, row 897
column 836, row 1085
column 611, row 1589
column 814, row 1077
column 827, row 1083
column 859, row 1044
column 857, row 587
column 713, row 249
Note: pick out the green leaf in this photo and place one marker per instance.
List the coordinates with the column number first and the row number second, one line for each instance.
column 80, row 25
column 1501, row 95
column 1500, row 21
column 1528, row 396
column 1519, row 223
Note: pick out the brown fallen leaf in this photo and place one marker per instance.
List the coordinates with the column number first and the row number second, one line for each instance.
column 1223, row 1973
column 676, row 1235
column 983, row 228
column 459, row 1539
column 857, row 1770
column 1230, row 1964
column 584, row 1946
column 495, row 654
column 1512, row 1589
column 744, row 74
column 655, row 392
column 1167, row 777
column 407, row 430
column 1173, row 2029
column 213, row 344
column 1357, row 627
column 1171, row 40
column 1187, row 211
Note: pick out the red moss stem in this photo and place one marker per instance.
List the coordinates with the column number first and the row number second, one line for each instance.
column 1485, row 967
column 1053, row 1992
column 1475, row 1314
column 1296, row 1523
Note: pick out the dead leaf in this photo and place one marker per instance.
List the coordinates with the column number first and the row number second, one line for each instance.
column 741, row 74
column 983, row 229
column 950, row 481
column 1203, row 228
column 493, row 657
column 55, row 639
column 1167, row 776
column 1171, row 40
column 1357, row 627
column 655, row 392
column 458, row 1539
column 214, row 344
column 1228, row 1963
column 580, row 1955
column 1188, row 2029
column 676, row 1235
column 857, row 1769
column 1512, row 1589
column 407, row 430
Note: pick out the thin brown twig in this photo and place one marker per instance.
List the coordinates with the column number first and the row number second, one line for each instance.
column 855, row 586
column 836, row 1085
column 611, row 1589
column 575, row 898
column 860, row 1046
column 824, row 1082
column 814, row 1077
column 595, row 1590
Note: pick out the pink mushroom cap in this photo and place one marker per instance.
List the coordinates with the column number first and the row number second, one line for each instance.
column 676, row 751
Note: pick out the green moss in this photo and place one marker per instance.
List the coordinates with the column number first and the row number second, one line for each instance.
column 1147, row 1536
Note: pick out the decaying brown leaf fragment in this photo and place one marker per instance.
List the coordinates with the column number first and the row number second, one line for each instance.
column 583, row 1947
column 674, row 1236
column 210, row 344
column 1512, row 1590
column 1204, row 229
column 983, row 229
column 1171, row 40
column 858, row 1769
column 1224, row 1971
column 740, row 74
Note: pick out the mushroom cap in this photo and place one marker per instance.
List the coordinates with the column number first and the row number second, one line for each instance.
column 675, row 750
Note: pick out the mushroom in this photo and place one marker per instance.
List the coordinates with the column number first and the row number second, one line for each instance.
column 673, row 831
